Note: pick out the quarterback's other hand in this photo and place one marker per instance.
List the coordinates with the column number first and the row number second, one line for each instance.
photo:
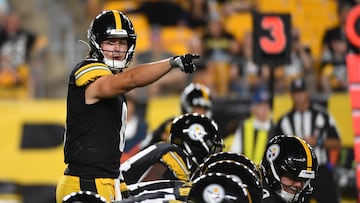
column 184, row 62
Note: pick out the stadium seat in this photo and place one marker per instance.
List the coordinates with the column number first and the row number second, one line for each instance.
column 122, row 5
column 176, row 38
column 276, row 6
column 238, row 24
column 142, row 30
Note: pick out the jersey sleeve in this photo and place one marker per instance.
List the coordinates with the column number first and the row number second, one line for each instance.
column 90, row 72
column 176, row 163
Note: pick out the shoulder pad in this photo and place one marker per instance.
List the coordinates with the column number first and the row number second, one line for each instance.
column 89, row 71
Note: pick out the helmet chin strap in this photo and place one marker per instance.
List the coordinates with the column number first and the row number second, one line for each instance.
column 190, row 153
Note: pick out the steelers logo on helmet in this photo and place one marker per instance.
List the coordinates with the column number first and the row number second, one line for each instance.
column 197, row 135
column 273, row 152
column 196, row 131
column 214, row 193
column 218, row 188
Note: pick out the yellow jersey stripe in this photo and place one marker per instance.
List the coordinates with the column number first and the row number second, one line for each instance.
column 79, row 72
column 117, row 20
column 89, row 73
column 308, row 154
column 176, row 163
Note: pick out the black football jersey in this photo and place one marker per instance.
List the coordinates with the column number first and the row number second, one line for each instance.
column 94, row 136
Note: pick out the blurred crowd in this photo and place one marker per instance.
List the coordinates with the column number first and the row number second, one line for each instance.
column 16, row 46
column 228, row 67
column 167, row 28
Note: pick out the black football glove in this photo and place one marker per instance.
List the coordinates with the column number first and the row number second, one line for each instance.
column 184, row 62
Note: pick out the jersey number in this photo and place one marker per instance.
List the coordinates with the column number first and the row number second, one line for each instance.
column 123, row 127
column 276, row 43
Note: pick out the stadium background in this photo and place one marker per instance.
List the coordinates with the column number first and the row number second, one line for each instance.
column 31, row 128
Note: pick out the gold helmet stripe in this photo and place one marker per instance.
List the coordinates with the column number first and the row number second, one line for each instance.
column 204, row 93
column 117, row 20
column 308, row 154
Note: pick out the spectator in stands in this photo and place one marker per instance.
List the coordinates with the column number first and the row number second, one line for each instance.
column 161, row 12
column 219, row 46
column 16, row 41
column 156, row 51
column 333, row 71
column 337, row 31
column 301, row 65
column 205, row 72
column 10, row 76
column 16, row 46
column 252, row 134
column 174, row 82
column 218, row 43
column 248, row 76
column 197, row 14
column 333, row 68
column 317, row 127
column 4, row 10
column 230, row 7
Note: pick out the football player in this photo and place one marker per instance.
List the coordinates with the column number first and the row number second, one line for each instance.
column 96, row 105
column 193, row 137
column 288, row 166
column 195, row 98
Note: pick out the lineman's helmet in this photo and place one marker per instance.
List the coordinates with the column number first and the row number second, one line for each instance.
column 219, row 188
column 242, row 172
column 231, row 156
column 197, row 135
column 83, row 197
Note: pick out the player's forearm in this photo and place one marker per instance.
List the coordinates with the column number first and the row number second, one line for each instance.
column 148, row 73
column 139, row 76
column 142, row 75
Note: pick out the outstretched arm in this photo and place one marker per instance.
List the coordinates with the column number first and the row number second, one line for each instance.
column 139, row 76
